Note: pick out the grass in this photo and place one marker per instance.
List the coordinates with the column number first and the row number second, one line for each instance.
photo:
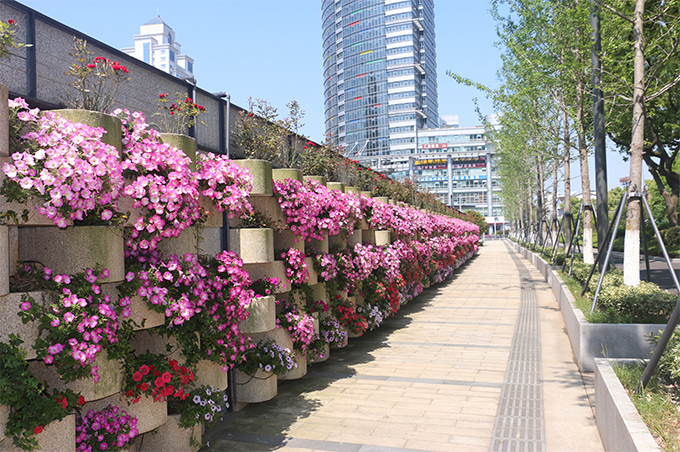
column 657, row 406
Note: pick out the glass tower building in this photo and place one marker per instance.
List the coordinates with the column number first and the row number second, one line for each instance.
column 379, row 77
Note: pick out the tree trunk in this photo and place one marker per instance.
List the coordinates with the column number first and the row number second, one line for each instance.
column 556, row 164
column 631, row 249
column 540, row 207
column 587, row 213
column 567, row 178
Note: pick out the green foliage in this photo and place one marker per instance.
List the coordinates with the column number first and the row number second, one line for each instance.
column 479, row 220
column 644, row 303
column 7, row 34
column 668, row 368
column 33, row 407
column 671, row 236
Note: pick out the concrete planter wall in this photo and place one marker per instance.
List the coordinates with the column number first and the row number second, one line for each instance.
column 352, row 190
column 169, row 437
column 183, row 142
column 111, row 124
column 144, row 317
column 287, row 173
column 336, row 186
column 11, row 322
column 73, row 249
column 261, row 316
column 56, row 436
column 255, row 388
column 253, row 245
column 211, row 374
column 4, row 412
column 186, row 242
column 591, row 340
column 319, row 179
column 261, row 170
column 149, row 414
column 621, row 427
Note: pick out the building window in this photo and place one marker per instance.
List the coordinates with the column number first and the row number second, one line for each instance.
column 190, row 67
column 172, row 56
column 147, row 52
column 170, row 38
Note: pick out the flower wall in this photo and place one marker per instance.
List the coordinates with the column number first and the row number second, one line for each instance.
column 130, row 311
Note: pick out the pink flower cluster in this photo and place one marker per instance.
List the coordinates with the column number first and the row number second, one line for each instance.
column 300, row 326
column 65, row 167
column 296, row 267
column 225, row 183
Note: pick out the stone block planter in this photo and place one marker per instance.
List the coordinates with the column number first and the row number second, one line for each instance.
column 621, row 427
column 383, row 199
column 73, row 249
column 298, row 372
column 287, row 239
column 255, row 388
column 11, row 322
column 350, row 334
column 110, row 378
column 144, row 317
column 57, row 436
column 336, row 186
column 149, row 341
column 338, row 241
column 319, row 292
column 5, row 262
column 4, row 415
column 210, row 241
column 274, row 269
column 261, row 170
column 353, row 190
column 354, row 238
column 287, row 173
column 382, row 238
column 321, row 245
column 261, row 316
column 326, row 355
column 313, row 275
column 268, row 206
column 149, row 414
column 319, row 179
column 185, row 243
column 368, row 194
column 253, row 245
column 211, row 374
column 169, row 437
column 591, row 340
column 214, row 219
column 182, row 142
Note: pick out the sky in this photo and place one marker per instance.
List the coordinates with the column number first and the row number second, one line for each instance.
column 271, row 49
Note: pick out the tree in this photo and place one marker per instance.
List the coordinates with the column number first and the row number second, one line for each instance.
column 479, row 220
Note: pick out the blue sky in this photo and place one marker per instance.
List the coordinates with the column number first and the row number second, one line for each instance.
column 271, row 49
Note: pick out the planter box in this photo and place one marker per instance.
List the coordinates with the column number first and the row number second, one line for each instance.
column 297, row 373
column 57, row 436
column 149, row 341
column 313, row 275
column 383, row 238
column 183, row 142
column 621, row 427
column 287, row 173
column 350, row 334
column 4, row 413
column 383, row 199
column 255, row 388
column 326, row 355
column 4, row 126
column 111, row 124
column 149, row 414
column 169, row 437
column 73, row 249
column 261, row 316
column 211, row 374
column 339, row 241
column 321, row 245
column 339, row 186
column 143, row 316
column 367, row 194
column 185, row 243
column 11, row 322
column 353, row 190
column 287, row 239
column 210, row 241
column 110, row 378
column 254, row 245
column 319, row 179
column 268, row 206
column 261, row 170
column 592, row 340
column 354, row 238
column 274, row 269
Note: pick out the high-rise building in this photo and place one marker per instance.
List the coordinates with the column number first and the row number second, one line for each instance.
column 155, row 44
column 380, row 77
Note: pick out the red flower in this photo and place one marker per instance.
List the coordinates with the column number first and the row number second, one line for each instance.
column 137, row 399
column 162, row 96
column 159, row 382
column 137, row 376
column 81, row 400
column 100, row 58
column 11, row 22
column 144, row 386
column 91, row 65
column 130, row 393
column 156, row 373
column 187, row 100
column 145, row 369
column 37, row 430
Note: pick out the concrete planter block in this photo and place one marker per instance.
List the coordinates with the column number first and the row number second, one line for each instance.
column 11, row 322
column 169, row 437
column 391, row 201
column 317, row 331
column 359, row 300
column 268, row 206
column 321, row 245
column 274, row 269
column 110, row 378
column 619, row 424
column 319, row 179
column 368, row 236
column 182, row 142
column 287, row 239
column 336, row 186
column 368, row 194
column 298, row 372
column 281, row 336
column 261, row 170
column 111, row 124
column 74, row 249
column 350, row 334
column 4, row 123
column 4, row 415
column 261, row 316
column 326, row 355
column 255, row 388
column 211, row 374
column 352, row 300
column 143, row 316
column 252, row 245
column 338, row 241
column 149, row 341
column 353, row 190
column 186, row 242
column 355, row 237
column 319, row 292
column 214, row 219
column 382, row 238
column 313, row 275
column 287, row 173
column 209, row 241
column 57, row 436
column 362, row 224
column 383, row 199
column 149, row 414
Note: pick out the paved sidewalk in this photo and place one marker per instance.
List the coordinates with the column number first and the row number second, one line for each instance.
column 478, row 363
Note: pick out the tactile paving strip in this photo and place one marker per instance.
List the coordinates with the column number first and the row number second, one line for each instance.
column 520, row 425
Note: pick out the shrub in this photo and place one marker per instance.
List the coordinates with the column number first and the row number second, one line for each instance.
column 669, row 364
column 671, row 236
column 645, row 303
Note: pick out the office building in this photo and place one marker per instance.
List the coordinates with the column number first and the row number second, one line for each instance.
column 379, row 77
column 155, row 44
